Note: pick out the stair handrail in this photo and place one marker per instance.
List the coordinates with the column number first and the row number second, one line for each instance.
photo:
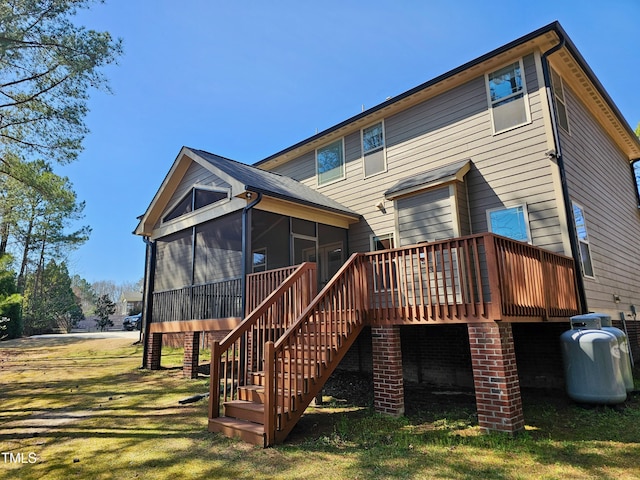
column 220, row 348
column 274, row 396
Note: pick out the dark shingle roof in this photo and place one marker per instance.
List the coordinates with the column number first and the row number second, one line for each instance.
column 273, row 184
column 424, row 179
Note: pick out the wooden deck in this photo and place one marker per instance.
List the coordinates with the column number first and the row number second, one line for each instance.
column 266, row 372
column 470, row 279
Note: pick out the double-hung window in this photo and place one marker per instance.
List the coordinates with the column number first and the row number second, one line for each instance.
column 510, row 222
column 508, row 100
column 583, row 240
column 330, row 162
column 373, row 151
column 560, row 102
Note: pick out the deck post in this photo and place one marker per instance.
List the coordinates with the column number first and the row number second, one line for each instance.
column 495, row 377
column 191, row 354
column 388, row 386
column 154, row 351
column 214, row 381
column 493, row 264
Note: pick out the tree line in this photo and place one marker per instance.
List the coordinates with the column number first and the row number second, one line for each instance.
column 48, row 65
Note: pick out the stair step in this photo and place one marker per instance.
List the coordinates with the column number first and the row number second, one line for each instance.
column 255, row 394
column 251, row 393
column 237, row 428
column 250, row 411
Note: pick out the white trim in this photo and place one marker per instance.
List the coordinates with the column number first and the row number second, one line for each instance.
column 587, row 242
column 191, row 193
column 391, row 235
column 197, row 186
column 524, row 93
column 202, row 215
column 563, row 102
column 344, row 163
column 455, row 214
column 525, row 212
column 384, row 149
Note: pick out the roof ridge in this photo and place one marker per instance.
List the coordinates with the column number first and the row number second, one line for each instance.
column 252, row 166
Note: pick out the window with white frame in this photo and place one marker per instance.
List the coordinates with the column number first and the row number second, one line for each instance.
column 560, row 102
column 330, row 162
column 384, row 270
column 373, row 151
column 510, row 222
column 507, row 94
column 382, row 242
column 259, row 260
column 583, row 240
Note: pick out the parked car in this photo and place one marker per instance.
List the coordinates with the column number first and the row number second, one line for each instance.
column 132, row 322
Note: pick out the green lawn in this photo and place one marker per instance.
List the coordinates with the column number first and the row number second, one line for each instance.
column 83, row 409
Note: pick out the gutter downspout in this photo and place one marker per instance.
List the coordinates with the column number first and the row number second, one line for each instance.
column 573, row 236
column 147, row 295
column 246, row 244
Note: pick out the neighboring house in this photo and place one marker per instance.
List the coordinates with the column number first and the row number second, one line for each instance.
column 522, row 143
column 130, row 302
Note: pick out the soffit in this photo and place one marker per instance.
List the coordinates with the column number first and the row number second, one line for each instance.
column 601, row 108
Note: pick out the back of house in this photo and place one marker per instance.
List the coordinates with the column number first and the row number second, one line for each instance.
column 500, row 198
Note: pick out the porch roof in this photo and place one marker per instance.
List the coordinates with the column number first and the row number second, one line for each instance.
column 274, row 185
column 429, row 179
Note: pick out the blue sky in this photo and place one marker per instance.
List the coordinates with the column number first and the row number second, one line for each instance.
column 245, row 79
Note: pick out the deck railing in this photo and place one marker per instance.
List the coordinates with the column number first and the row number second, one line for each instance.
column 261, row 284
column 241, row 353
column 476, row 278
column 211, row 300
column 298, row 363
column 534, row 282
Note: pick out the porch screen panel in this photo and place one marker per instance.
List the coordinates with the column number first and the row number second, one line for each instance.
column 270, row 235
column 425, row 217
column 173, row 261
column 218, row 253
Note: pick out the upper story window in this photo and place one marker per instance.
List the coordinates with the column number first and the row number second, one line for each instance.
column 560, row 102
column 510, row 222
column 508, row 97
column 373, row 151
column 195, row 199
column 583, row 240
column 330, row 162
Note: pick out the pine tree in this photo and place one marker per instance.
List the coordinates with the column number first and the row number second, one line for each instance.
column 104, row 308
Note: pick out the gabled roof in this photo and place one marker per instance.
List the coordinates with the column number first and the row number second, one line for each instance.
column 568, row 57
column 242, row 178
column 274, row 184
column 429, row 179
column 131, row 297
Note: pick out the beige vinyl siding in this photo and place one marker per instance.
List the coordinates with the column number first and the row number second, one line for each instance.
column 195, row 174
column 463, row 209
column 600, row 180
column 508, row 168
column 425, row 217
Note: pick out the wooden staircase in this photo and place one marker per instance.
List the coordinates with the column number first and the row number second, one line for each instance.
column 274, row 364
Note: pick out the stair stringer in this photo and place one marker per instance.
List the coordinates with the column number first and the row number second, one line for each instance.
column 325, row 372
